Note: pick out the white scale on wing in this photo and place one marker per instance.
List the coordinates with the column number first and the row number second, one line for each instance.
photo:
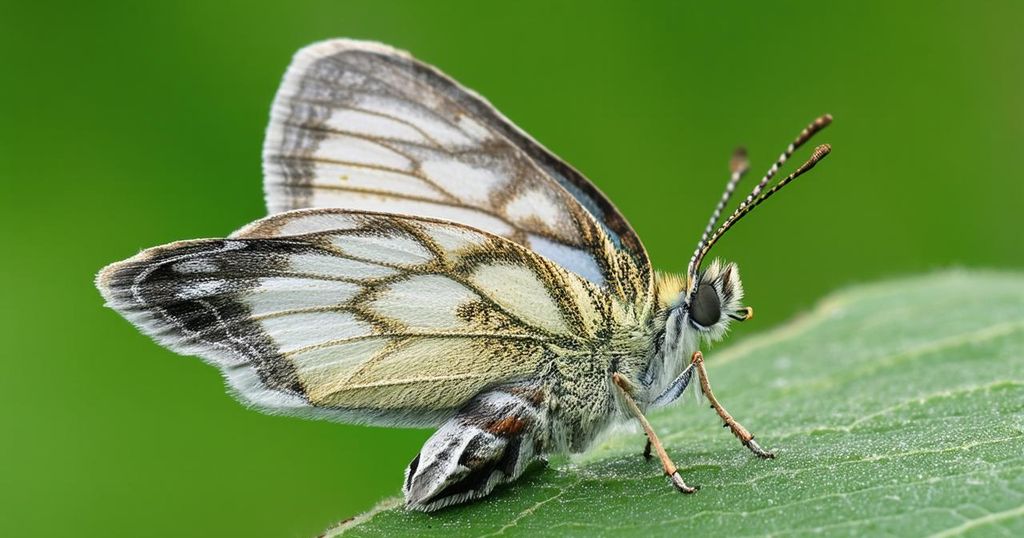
column 389, row 249
column 424, row 302
column 309, row 222
column 375, row 125
column 353, row 149
column 336, row 176
column 577, row 260
column 327, row 266
column 518, row 289
column 276, row 295
column 470, row 184
column 325, row 371
column 439, row 131
column 301, row 330
column 453, row 239
column 197, row 265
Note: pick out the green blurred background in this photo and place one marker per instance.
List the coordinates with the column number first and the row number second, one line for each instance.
column 129, row 125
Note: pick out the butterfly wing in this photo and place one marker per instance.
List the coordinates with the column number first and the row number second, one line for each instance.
column 363, row 126
column 366, row 318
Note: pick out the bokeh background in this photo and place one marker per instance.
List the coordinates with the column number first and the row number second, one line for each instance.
column 127, row 125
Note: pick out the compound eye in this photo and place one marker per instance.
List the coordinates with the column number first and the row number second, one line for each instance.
column 706, row 309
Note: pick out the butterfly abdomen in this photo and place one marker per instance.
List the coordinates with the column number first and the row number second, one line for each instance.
column 491, row 440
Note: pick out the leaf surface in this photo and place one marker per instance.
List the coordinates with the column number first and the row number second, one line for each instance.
column 893, row 408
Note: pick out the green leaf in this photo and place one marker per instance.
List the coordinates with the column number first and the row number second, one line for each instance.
column 895, row 408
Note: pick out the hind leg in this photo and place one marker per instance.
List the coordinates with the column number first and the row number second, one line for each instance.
column 490, row 441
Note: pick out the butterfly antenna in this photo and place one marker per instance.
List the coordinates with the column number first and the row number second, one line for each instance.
column 738, row 167
column 756, row 196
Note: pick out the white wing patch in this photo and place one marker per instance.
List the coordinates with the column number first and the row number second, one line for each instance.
column 328, row 266
column 356, row 150
column 328, row 370
column 567, row 257
column 396, row 249
column 473, row 185
column 311, row 223
column 375, row 125
column 387, row 319
column 343, row 177
column 420, row 116
column 534, row 205
column 300, row 330
column 202, row 288
column 455, row 239
column 426, row 301
column 520, row 291
column 195, row 266
column 278, row 295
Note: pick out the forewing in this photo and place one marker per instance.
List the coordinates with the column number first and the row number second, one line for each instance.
column 358, row 317
column 362, row 126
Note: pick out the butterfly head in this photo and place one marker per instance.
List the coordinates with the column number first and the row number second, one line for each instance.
column 715, row 301
column 703, row 312
column 701, row 304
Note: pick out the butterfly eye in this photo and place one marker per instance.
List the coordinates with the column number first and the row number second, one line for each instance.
column 706, row 308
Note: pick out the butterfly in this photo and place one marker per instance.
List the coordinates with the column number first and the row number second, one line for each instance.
column 428, row 263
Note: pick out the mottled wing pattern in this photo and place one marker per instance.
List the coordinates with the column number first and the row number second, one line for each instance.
column 359, row 317
column 363, row 126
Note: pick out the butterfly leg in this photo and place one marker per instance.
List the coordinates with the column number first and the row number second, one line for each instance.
column 671, row 470
column 491, row 440
column 671, row 393
column 738, row 430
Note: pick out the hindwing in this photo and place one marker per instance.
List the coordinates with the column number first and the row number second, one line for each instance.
column 360, row 317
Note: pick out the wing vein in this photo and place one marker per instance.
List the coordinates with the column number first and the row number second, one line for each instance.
column 415, row 174
column 409, row 381
column 425, row 87
column 379, row 114
column 416, row 334
column 414, row 198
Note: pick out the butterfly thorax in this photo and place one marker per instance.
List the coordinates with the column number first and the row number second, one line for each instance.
column 576, row 381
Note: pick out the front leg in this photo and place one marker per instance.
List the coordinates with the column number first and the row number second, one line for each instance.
column 738, row 430
column 671, row 470
column 675, row 389
column 671, row 393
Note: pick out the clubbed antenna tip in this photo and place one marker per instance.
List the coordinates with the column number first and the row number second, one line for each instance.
column 738, row 166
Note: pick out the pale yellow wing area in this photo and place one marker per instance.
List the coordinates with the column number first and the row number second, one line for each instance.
column 360, row 317
column 360, row 125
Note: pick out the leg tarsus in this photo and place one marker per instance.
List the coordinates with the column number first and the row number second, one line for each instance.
column 741, row 433
column 758, row 451
column 647, row 450
column 677, row 481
